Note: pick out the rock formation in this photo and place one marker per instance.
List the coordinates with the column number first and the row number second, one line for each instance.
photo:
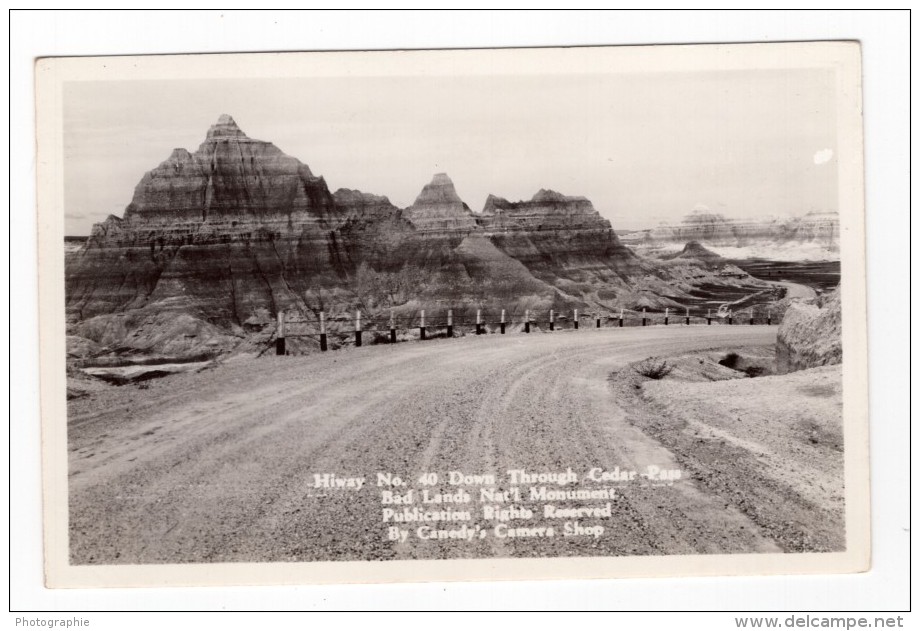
column 810, row 335
column 200, row 223
column 555, row 236
column 694, row 250
column 230, row 176
column 217, row 241
column 546, row 210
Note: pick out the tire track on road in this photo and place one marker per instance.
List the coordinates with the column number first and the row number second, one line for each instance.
column 227, row 475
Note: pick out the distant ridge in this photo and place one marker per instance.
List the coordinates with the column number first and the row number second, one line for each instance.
column 812, row 236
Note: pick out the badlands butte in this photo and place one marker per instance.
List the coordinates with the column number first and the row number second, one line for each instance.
column 217, row 241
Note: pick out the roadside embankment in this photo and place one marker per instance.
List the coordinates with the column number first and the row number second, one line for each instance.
column 770, row 447
column 810, row 335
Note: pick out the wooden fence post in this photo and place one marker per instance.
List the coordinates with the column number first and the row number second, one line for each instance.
column 552, row 320
column 279, row 339
column 392, row 327
column 575, row 319
column 502, row 323
column 358, row 328
column 323, row 344
column 450, row 323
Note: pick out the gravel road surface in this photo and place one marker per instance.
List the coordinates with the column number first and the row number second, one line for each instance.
column 221, row 465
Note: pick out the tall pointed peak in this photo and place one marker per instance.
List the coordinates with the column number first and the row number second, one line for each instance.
column 438, row 207
column 439, row 191
column 225, row 127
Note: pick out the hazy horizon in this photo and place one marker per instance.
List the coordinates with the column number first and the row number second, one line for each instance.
column 644, row 148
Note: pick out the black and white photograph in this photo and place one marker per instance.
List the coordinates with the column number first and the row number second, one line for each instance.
column 454, row 314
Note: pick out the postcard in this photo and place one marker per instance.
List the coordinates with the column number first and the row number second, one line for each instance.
column 453, row 315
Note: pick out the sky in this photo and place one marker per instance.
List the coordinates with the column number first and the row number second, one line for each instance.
column 644, row 148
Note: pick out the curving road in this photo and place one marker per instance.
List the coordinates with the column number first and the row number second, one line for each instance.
column 796, row 291
column 220, row 465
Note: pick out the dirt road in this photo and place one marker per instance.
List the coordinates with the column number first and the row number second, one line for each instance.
column 221, row 465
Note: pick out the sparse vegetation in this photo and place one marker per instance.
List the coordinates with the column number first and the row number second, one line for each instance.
column 654, row 368
column 731, row 360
